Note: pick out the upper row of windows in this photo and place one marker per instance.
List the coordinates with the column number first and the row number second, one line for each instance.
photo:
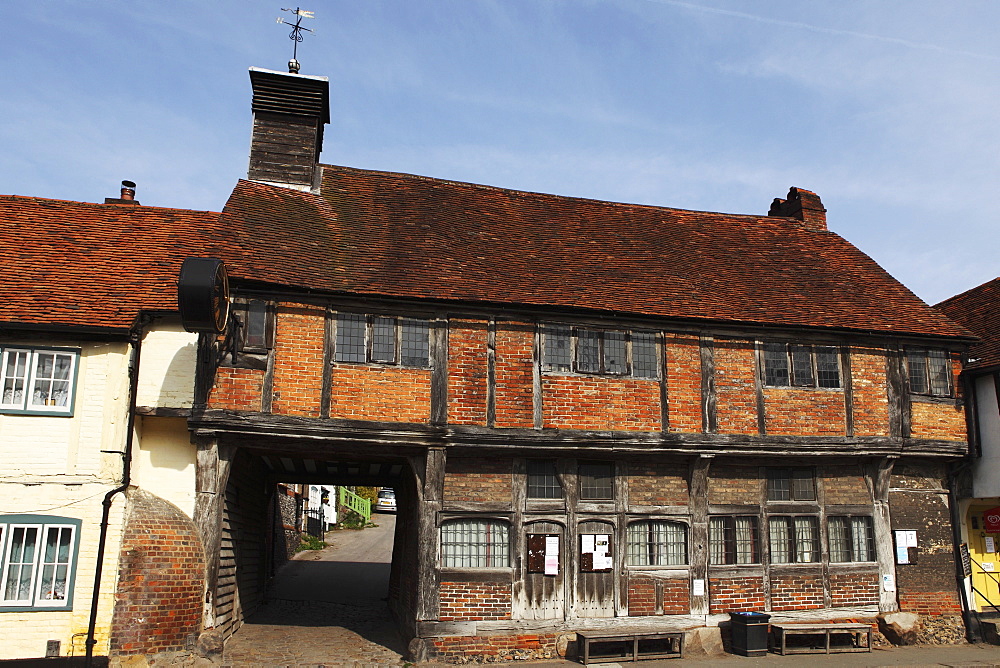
column 379, row 339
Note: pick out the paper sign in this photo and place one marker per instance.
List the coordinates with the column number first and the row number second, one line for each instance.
column 910, row 538
column 991, row 545
column 552, row 564
column 601, row 562
column 988, row 566
column 587, row 542
column 902, row 555
column 552, row 546
column 698, row 587
column 888, row 584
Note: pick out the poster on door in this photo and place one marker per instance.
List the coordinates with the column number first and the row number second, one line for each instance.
column 595, row 552
column 991, row 520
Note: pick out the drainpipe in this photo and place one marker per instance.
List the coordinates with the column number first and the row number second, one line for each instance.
column 135, row 340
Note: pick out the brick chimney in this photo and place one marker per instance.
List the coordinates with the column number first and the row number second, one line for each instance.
column 289, row 112
column 803, row 205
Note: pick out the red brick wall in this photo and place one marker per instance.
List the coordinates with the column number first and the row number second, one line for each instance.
column 736, row 594
column 735, row 389
column 799, row 411
column 796, row 592
column 237, row 389
column 601, row 403
column 515, row 359
column 930, row 603
column 486, row 479
column 474, row 601
column 382, row 393
column 656, row 485
column 646, row 595
column 934, row 420
column 683, row 362
column 851, row 589
column 158, row 603
column 869, row 391
column 467, row 372
column 298, row 359
column 473, row 649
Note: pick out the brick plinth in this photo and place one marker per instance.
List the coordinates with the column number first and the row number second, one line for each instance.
column 474, row 649
column 930, row 603
column 797, row 592
column 160, row 582
column 736, row 594
column 853, row 589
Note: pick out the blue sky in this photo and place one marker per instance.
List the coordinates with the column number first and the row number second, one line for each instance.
column 887, row 109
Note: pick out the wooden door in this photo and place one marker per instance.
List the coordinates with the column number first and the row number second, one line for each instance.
column 984, row 549
column 539, row 588
column 597, row 563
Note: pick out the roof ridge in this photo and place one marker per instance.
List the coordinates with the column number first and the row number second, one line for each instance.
column 124, row 207
column 761, row 218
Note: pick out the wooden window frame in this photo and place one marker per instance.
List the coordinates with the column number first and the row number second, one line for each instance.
column 791, row 474
column 401, row 340
column 40, row 561
column 633, row 547
column 792, row 547
column 566, row 357
column 926, row 385
column 798, row 364
column 31, row 380
column 501, row 549
column 730, row 540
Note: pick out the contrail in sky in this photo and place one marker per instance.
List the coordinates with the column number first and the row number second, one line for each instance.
column 829, row 31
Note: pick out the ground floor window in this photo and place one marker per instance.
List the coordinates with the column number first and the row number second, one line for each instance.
column 657, row 543
column 475, row 543
column 794, row 540
column 732, row 539
column 38, row 555
column 851, row 539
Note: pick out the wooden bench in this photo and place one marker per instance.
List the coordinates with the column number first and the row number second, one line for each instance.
column 673, row 648
column 780, row 633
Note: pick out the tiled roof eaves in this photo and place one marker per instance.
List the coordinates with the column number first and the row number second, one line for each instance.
column 978, row 309
column 417, row 237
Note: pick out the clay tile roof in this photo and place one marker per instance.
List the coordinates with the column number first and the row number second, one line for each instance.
column 400, row 235
column 73, row 264
column 978, row 310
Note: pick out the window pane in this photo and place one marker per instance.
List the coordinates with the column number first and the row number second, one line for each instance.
column 803, row 485
column 802, row 371
column 746, row 540
column 475, row 544
column 52, row 584
column 775, row 365
column 806, row 539
column 780, row 540
column 840, row 548
column 415, row 343
column 779, row 485
column 20, row 565
column 644, row 355
column 827, row 366
column 15, row 378
column 596, row 480
column 851, row 539
column 614, row 353
column 255, row 335
column 51, row 382
column 717, row 533
column 543, row 483
column 383, row 339
column 916, row 363
column 588, row 352
column 350, row 345
column 938, row 373
column 863, row 540
column 557, row 349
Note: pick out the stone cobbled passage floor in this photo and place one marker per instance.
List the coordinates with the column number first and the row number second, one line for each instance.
column 313, row 633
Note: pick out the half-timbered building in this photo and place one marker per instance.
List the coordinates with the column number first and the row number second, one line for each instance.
column 595, row 414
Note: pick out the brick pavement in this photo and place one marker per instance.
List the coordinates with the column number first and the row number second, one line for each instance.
column 316, row 633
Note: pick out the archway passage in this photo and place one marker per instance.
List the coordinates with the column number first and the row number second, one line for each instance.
column 343, row 596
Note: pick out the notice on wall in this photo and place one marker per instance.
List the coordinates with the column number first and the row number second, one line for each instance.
column 552, row 555
column 698, row 587
column 888, row 584
column 988, row 566
column 595, row 552
column 902, row 555
column 906, row 539
column 991, row 545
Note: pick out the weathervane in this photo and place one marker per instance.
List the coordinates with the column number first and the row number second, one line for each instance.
column 296, row 34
